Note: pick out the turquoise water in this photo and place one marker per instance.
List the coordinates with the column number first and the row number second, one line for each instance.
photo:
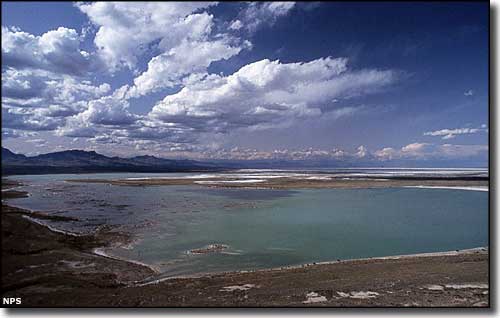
column 263, row 228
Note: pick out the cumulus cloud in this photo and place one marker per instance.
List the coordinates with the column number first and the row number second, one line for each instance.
column 127, row 29
column 419, row 151
column 386, row 153
column 431, row 151
column 168, row 69
column 56, row 51
column 28, row 119
column 267, row 94
column 362, row 152
column 109, row 110
column 239, row 153
column 179, row 34
column 40, row 100
column 23, row 84
column 49, row 84
column 76, row 128
column 44, row 78
column 40, row 91
column 44, row 85
column 452, row 133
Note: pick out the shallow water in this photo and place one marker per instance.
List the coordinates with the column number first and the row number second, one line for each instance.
column 263, row 228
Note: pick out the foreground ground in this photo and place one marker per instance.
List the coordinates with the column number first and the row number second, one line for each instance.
column 48, row 268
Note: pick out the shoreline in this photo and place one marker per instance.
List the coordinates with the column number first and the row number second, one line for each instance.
column 50, row 228
column 36, row 217
column 59, row 254
column 305, row 265
column 100, row 251
column 479, row 188
column 298, row 182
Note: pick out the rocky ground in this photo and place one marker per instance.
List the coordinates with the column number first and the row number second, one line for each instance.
column 49, row 268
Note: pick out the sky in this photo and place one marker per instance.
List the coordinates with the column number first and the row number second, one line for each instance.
column 377, row 81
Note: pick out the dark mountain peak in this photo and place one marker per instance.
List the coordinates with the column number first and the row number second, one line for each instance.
column 77, row 151
column 7, row 154
column 78, row 161
column 145, row 157
column 6, row 151
column 72, row 154
column 150, row 160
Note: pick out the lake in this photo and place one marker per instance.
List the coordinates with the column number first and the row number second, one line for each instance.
column 263, row 228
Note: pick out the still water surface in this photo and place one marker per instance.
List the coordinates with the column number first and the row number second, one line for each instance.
column 263, row 228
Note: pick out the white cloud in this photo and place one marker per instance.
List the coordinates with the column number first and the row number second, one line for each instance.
column 181, row 33
column 415, row 151
column 414, row 148
column 387, row 153
column 168, row 69
column 362, row 152
column 108, row 111
column 257, row 14
column 236, row 25
column 40, row 100
column 126, row 29
column 40, row 92
column 44, row 78
column 266, row 94
column 431, row 151
column 46, row 86
column 452, row 133
column 238, row 153
column 23, row 84
column 76, row 128
column 28, row 119
column 14, row 133
column 56, row 51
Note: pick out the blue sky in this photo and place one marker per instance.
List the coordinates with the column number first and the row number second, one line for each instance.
column 346, row 81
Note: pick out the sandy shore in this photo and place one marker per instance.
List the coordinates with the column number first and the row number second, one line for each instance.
column 50, row 268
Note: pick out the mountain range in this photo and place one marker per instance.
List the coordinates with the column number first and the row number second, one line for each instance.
column 80, row 161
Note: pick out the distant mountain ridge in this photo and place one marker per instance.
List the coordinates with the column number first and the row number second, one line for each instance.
column 7, row 154
column 81, row 161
